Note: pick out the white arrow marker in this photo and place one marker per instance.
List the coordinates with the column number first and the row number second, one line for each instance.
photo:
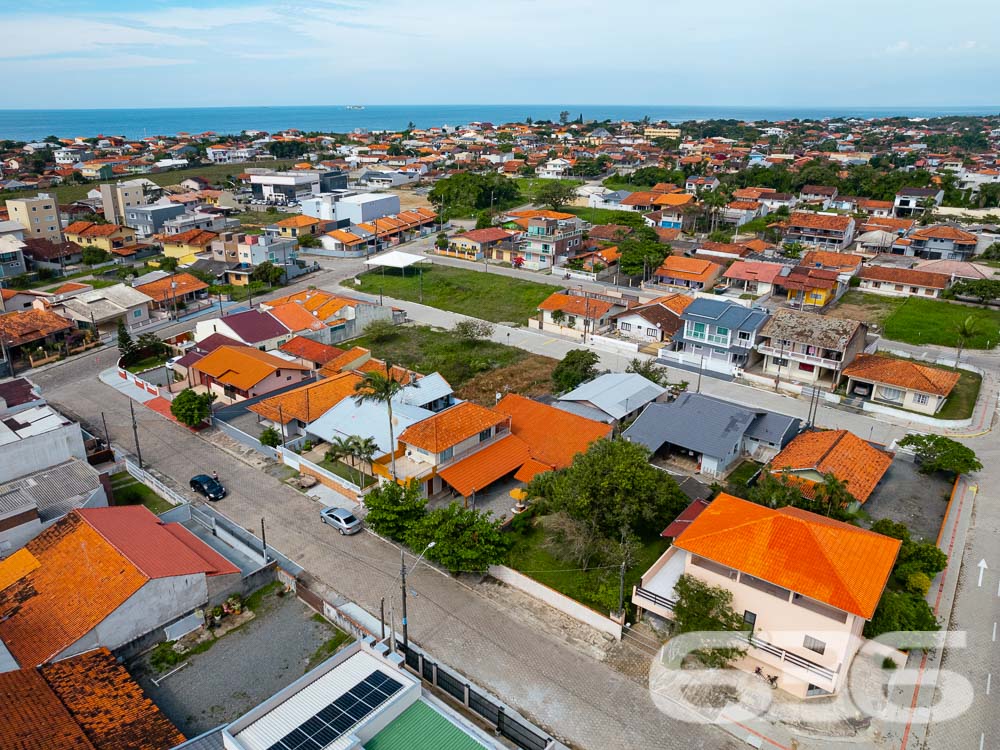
column 982, row 567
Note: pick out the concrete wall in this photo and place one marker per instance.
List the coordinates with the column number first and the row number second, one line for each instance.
column 553, row 598
column 42, row 451
column 157, row 603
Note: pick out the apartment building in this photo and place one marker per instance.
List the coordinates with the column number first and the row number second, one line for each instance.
column 38, row 215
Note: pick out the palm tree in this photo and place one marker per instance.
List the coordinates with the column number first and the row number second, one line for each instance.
column 375, row 386
column 832, row 492
column 965, row 330
column 364, row 451
column 340, row 448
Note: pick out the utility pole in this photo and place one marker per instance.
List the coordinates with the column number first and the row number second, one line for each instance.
column 381, row 617
column 263, row 540
column 402, row 573
column 135, row 431
column 107, row 435
column 281, row 420
column 621, row 591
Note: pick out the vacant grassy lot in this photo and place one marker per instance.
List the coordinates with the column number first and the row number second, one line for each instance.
column 962, row 400
column 531, row 376
column 871, row 308
column 532, row 554
column 529, row 185
column 489, row 296
column 602, row 215
column 128, row 490
column 214, row 173
column 927, row 321
column 428, row 350
column 739, row 477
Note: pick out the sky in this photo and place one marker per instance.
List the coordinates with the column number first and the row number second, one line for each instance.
column 161, row 53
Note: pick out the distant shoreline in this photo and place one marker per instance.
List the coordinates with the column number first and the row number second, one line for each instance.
column 36, row 124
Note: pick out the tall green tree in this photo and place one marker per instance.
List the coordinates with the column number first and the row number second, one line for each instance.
column 577, row 366
column 702, row 608
column 394, row 509
column 555, row 194
column 465, row 540
column 381, row 388
column 832, row 493
column 191, row 408
column 126, row 346
column 940, row 453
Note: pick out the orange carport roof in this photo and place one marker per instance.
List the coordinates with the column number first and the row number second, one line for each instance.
column 530, row 469
column 486, row 466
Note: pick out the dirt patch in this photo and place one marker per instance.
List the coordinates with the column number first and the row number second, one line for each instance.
column 409, row 200
column 532, row 376
column 870, row 308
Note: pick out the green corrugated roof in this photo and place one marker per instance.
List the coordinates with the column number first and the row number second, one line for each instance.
column 420, row 727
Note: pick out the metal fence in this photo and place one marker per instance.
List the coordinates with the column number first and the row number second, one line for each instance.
column 154, row 484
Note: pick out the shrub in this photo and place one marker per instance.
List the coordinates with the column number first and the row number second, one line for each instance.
column 270, row 437
column 888, row 663
column 918, row 583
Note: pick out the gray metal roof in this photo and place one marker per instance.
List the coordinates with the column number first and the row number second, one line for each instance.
column 724, row 313
column 428, row 388
column 211, row 740
column 707, row 425
column 616, row 393
column 369, row 419
column 583, row 410
column 54, row 491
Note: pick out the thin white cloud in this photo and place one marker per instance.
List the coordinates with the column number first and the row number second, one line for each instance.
column 37, row 36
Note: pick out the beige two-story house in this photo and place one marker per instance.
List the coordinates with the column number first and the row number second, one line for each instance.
column 809, row 348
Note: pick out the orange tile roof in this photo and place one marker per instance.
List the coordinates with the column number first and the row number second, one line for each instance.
column 192, row 237
column 346, row 238
column 161, row 289
column 33, row 718
column 353, row 357
column 108, row 704
column 842, row 261
column 310, row 350
column 397, row 373
column 839, row 452
column 242, row 367
column 573, row 304
column 90, row 229
column 69, row 286
column 690, row 269
column 308, row 402
column 902, row 373
column 677, row 303
column 907, row 276
column 24, row 326
column 554, row 436
column 819, row 221
column 295, row 317
column 945, row 233
column 17, row 566
column 51, row 607
column 451, row 426
column 530, row 470
column 486, row 465
column 888, row 223
column 673, row 200
column 540, row 213
column 826, row 560
column 299, row 221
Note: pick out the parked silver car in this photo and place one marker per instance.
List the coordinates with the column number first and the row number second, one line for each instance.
column 341, row 519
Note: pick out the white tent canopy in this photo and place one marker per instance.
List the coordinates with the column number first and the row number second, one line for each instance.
column 396, row 259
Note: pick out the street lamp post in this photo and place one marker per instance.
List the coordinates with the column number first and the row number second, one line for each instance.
column 402, row 573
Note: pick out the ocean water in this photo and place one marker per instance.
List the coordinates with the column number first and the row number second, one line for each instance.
column 35, row 124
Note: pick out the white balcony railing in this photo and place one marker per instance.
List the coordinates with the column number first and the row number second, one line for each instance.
column 812, row 359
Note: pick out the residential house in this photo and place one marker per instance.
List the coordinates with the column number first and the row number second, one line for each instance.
column 673, row 211
column 103, row 309
column 548, row 241
column 809, row 286
column 151, row 219
column 695, row 184
column 739, row 213
column 20, row 299
column 819, row 194
column 28, row 330
column 812, row 455
column 608, row 199
column 51, row 255
column 298, row 226
column 112, row 238
column 656, row 321
column 38, row 215
column 914, row 201
column 900, row 383
column 943, row 242
column 171, row 291
column 714, row 433
column 902, row 282
column 772, row 201
column 757, row 279
column 11, row 257
column 39, row 497
column 310, row 352
column 810, row 348
column 876, row 208
column 477, row 244
column 293, row 411
column 186, row 246
column 254, row 328
column 718, row 335
column 555, row 169
column 280, row 188
column 103, row 577
column 826, row 231
column 84, row 702
column 804, row 620
column 611, row 398
column 689, row 273
column 572, row 314
column 236, row 373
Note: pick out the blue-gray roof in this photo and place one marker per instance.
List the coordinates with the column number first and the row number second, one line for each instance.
column 725, row 313
column 369, row 419
column 616, row 393
column 708, row 425
column 427, row 389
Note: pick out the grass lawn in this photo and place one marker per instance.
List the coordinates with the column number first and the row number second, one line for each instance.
column 428, row 350
column 128, row 490
column 597, row 589
column 740, row 476
column 148, row 363
column 489, row 296
column 329, row 647
column 928, row 321
column 96, row 283
column 529, row 185
column 600, row 215
column 962, row 400
column 618, row 182
column 213, row 173
column 871, row 308
column 344, row 471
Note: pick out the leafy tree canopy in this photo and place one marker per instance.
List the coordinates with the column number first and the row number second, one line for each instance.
column 393, row 510
column 192, row 408
column 577, row 366
column 704, row 608
column 465, row 540
column 940, row 453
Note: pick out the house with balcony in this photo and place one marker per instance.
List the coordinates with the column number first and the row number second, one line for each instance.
column 476, row 244
column 11, row 256
column 821, row 195
column 825, row 231
column 754, row 278
column 900, row 383
column 718, row 335
column 673, row 211
column 186, row 246
column 943, row 242
column 548, row 241
column 804, row 584
column 808, row 348
column 914, row 201
column 809, row 286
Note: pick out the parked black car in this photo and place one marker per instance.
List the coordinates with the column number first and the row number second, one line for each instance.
column 207, row 486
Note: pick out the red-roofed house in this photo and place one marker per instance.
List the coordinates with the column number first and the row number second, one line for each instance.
column 575, row 314
column 804, row 584
column 104, row 577
column 476, row 244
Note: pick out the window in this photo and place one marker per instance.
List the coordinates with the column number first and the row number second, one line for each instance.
column 625, row 326
column 743, row 335
column 890, row 394
column 806, row 368
column 137, row 313
column 447, row 453
column 780, row 362
column 921, row 398
column 486, row 434
column 814, row 644
column 750, row 618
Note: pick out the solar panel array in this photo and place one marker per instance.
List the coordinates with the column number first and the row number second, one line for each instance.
column 340, row 715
